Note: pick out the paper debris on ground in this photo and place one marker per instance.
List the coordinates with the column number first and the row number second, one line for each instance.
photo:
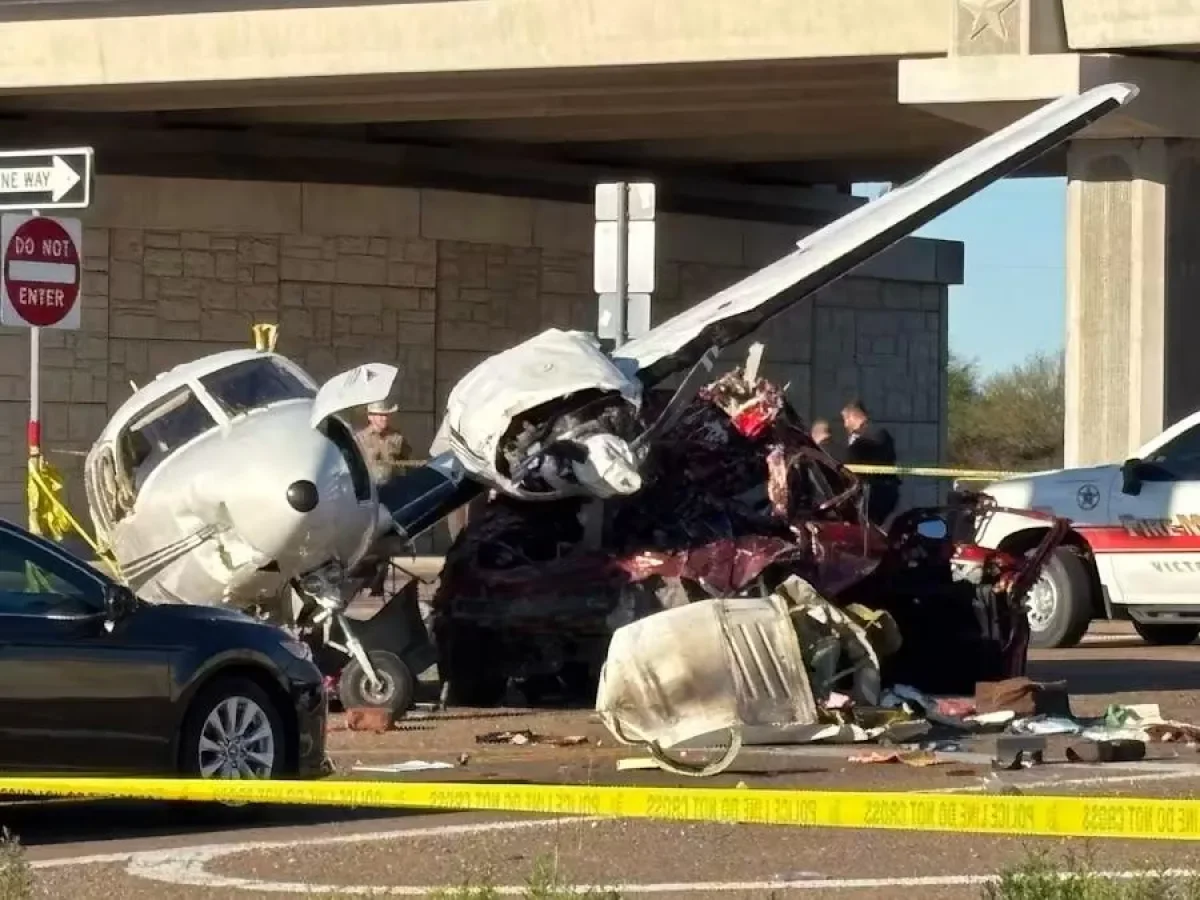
column 413, row 765
column 525, row 737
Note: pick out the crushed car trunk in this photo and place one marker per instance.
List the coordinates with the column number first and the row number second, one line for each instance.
column 736, row 499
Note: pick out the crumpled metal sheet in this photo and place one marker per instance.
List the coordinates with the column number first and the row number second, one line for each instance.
column 704, row 515
column 737, row 499
column 502, row 411
column 721, row 665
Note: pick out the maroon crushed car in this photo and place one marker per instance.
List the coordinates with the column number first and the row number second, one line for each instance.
column 737, row 498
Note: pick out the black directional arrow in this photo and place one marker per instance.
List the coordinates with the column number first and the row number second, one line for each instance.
column 46, row 179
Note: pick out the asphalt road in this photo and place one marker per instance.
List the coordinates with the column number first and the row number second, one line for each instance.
column 120, row 851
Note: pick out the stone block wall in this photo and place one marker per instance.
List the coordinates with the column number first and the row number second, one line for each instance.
column 433, row 281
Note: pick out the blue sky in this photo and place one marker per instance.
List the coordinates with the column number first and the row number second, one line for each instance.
column 1011, row 301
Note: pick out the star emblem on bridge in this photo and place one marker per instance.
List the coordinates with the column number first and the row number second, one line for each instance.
column 988, row 15
column 1088, row 497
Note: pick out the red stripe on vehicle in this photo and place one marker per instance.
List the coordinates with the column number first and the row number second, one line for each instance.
column 1118, row 539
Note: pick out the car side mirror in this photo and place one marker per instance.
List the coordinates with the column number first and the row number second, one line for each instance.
column 1131, row 477
column 119, row 602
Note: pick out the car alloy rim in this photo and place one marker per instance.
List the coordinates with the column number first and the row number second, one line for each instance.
column 1043, row 599
column 237, row 741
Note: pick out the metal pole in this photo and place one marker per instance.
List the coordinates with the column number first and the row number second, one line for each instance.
column 622, row 262
column 33, row 430
column 34, row 433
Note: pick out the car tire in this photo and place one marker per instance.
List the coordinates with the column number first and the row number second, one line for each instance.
column 208, row 717
column 397, row 693
column 1173, row 635
column 1060, row 602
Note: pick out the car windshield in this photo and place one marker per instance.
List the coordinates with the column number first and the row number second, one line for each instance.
column 253, row 384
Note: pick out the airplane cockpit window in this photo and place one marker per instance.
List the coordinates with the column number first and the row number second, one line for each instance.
column 174, row 421
column 253, row 384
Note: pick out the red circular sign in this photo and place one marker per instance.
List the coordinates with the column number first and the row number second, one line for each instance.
column 42, row 272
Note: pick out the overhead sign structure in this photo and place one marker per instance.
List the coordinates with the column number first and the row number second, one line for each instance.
column 46, row 179
column 624, row 258
column 40, row 271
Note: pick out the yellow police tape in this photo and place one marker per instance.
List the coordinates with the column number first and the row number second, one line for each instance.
column 934, row 472
column 916, row 471
column 1066, row 816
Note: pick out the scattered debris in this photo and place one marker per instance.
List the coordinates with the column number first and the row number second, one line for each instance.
column 985, row 721
column 704, row 670
column 736, row 502
column 1170, row 732
column 636, row 764
column 1023, row 698
column 413, row 765
column 524, row 737
column 1106, row 751
column 369, row 718
column 915, row 758
column 1019, row 751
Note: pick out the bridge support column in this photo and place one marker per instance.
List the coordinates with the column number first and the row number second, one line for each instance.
column 1133, row 293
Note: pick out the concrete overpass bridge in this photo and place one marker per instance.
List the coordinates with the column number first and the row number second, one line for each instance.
column 253, row 154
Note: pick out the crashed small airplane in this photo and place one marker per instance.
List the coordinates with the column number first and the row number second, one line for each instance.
column 233, row 480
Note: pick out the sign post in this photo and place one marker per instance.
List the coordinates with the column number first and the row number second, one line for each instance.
column 41, row 262
column 624, row 258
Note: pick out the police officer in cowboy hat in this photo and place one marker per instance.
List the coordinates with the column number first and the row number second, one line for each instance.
column 383, row 446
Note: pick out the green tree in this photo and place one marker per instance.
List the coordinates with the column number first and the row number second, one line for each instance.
column 1011, row 420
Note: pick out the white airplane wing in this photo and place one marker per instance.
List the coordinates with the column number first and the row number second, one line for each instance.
column 836, row 249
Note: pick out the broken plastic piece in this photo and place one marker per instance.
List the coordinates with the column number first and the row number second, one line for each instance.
column 1106, row 751
column 1014, row 751
column 413, row 765
column 915, row 758
column 525, row 737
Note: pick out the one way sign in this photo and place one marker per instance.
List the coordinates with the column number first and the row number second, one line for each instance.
column 46, row 179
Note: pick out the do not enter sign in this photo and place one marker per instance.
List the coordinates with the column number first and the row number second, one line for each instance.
column 40, row 271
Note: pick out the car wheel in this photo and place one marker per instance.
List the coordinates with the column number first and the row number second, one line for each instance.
column 1059, row 604
column 1166, row 635
column 233, row 731
column 395, row 691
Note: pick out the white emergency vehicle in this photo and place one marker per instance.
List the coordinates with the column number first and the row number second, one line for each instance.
column 1134, row 548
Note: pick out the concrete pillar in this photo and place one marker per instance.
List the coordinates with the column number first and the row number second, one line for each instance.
column 1133, row 293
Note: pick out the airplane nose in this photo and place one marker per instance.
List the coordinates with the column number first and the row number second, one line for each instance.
column 302, row 496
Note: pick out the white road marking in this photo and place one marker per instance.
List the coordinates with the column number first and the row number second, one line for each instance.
column 326, row 840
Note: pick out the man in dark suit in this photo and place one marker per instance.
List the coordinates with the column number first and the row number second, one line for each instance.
column 872, row 445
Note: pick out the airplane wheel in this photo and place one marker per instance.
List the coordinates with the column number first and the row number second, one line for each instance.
column 396, row 691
